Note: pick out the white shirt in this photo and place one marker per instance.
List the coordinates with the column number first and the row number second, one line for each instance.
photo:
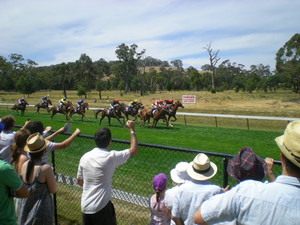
column 96, row 168
column 254, row 202
column 189, row 198
column 170, row 198
column 6, row 139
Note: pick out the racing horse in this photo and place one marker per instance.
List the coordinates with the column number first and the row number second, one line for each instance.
column 64, row 110
column 80, row 111
column 21, row 107
column 133, row 111
column 157, row 114
column 172, row 111
column 44, row 105
column 110, row 114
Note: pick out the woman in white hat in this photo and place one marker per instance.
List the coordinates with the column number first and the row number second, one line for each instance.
column 40, row 180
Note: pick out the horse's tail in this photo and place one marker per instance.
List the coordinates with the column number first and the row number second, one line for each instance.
column 97, row 112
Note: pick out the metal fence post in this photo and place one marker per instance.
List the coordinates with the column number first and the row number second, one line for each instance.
column 225, row 174
column 54, row 195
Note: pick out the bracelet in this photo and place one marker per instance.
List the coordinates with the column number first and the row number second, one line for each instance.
column 132, row 132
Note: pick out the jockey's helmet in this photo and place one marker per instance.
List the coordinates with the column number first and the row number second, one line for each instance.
column 116, row 100
column 64, row 98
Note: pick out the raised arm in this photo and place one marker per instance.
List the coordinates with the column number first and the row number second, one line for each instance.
column 133, row 140
column 66, row 142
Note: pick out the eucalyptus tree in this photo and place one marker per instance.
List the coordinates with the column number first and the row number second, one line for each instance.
column 85, row 72
column 129, row 57
column 288, row 62
column 63, row 77
column 213, row 59
column 102, row 69
column 5, row 71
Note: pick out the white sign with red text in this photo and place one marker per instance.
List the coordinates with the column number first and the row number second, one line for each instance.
column 188, row 98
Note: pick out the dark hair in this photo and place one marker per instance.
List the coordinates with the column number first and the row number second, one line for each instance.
column 35, row 126
column 290, row 166
column 34, row 157
column 8, row 122
column 102, row 137
column 20, row 138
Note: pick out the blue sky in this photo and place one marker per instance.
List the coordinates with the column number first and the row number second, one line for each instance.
column 55, row 31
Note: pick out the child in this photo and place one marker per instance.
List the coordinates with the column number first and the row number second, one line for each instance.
column 159, row 213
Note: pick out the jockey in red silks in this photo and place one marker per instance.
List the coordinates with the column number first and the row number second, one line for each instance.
column 114, row 104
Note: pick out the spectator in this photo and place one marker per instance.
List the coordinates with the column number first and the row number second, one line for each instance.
column 159, row 215
column 39, row 177
column 7, row 137
column 254, row 202
column 95, row 172
column 246, row 165
column 190, row 195
column 37, row 126
column 18, row 154
column 179, row 176
column 9, row 183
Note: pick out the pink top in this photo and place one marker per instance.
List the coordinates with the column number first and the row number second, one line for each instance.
column 159, row 214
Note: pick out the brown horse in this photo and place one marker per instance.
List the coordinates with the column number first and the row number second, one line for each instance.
column 80, row 111
column 132, row 111
column 172, row 111
column 157, row 114
column 64, row 110
column 110, row 114
column 44, row 105
column 21, row 107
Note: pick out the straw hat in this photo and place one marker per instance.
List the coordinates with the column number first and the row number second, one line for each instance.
column 179, row 174
column 247, row 165
column 289, row 142
column 201, row 168
column 36, row 143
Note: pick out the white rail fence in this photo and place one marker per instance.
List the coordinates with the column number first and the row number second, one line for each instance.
column 216, row 116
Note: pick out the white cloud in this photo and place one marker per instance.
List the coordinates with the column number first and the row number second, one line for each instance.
column 51, row 32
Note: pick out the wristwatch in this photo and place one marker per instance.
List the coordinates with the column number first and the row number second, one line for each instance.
column 132, row 132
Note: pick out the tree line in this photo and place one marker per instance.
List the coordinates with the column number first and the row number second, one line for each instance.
column 134, row 72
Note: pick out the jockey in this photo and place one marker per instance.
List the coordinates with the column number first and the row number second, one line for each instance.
column 62, row 102
column 21, row 101
column 113, row 104
column 156, row 104
column 169, row 102
column 44, row 100
column 132, row 103
column 79, row 103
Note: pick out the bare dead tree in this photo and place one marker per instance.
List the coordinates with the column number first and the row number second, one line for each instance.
column 213, row 58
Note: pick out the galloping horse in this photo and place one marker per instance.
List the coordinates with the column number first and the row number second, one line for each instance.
column 157, row 114
column 133, row 111
column 80, row 111
column 21, row 107
column 44, row 105
column 110, row 114
column 64, row 110
column 172, row 111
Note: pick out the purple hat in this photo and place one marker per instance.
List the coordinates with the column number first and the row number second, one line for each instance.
column 246, row 165
column 159, row 182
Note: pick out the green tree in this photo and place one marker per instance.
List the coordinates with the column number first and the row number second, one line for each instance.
column 288, row 62
column 81, row 91
column 26, row 85
column 129, row 58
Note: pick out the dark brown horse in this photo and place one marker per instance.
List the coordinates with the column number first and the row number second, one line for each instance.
column 172, row 111
column 21, row 107
column 64, row 110
column 132, row 111
column 80, row 111
column 44, row 105
column 110, row 114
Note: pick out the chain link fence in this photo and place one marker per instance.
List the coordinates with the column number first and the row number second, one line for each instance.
column 132, row 181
